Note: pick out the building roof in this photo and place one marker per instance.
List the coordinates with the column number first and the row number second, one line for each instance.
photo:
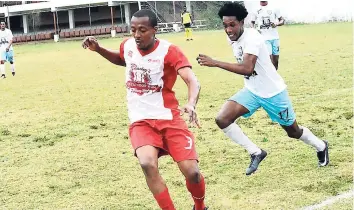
column 21, row 9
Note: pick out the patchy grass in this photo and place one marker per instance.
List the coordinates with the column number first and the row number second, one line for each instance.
column 66, row 146
column 5, row 132
column 344, row 204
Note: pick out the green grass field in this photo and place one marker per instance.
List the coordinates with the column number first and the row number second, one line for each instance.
column 64, row 138
column 341, row 204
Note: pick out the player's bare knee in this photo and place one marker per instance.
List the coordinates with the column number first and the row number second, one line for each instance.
column 2, row 62
column 149, row 166
column 193, row 175
column 295, row 134
column 222, row 122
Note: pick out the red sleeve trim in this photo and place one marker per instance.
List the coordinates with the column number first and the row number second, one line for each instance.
column 176, row 58
column 121, row 50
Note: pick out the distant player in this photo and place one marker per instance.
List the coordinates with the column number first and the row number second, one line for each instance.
column 187, row 23
column 156, row 129
column 267, row 19
column 264, row 87
column 6, row 49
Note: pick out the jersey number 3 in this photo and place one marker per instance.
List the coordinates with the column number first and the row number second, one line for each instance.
column 190, row 141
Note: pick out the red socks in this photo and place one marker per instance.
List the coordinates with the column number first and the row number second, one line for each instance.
column 198, row 192
column 196, row 189
column 164, row 200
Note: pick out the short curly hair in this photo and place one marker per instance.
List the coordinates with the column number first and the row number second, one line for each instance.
column 233, row 9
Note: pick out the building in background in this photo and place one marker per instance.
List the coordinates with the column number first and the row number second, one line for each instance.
column 34, row 16
column 76, row 18
column 27, row 17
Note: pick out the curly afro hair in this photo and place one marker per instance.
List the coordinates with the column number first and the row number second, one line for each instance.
column 233, row 9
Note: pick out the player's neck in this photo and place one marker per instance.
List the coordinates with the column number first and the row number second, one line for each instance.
column 150, row 48
column 241, row 32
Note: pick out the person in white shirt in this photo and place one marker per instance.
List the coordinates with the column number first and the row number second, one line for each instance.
column 6, row 49
column 264, row 87
column 266, row 19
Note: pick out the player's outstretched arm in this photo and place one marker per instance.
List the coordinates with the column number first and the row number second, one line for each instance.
column 91, row 43
column 191, row 81
column 281, row 21
column 244, row 68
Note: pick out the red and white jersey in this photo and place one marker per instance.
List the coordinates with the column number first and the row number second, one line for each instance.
column 150, row 77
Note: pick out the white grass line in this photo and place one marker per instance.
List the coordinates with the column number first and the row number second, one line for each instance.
column 331, row 200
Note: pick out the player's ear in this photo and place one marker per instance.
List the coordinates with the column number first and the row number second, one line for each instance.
column 242, row 22
column 156, row 29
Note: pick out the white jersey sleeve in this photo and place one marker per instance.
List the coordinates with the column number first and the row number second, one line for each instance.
column 9, row 38
column 253, row 44
column 9, row 35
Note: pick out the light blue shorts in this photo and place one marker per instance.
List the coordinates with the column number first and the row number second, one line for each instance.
column 7, row 56
column 278, row 107
column 273, row 46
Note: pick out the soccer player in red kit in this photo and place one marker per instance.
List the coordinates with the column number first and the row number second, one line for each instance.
column 156, row 127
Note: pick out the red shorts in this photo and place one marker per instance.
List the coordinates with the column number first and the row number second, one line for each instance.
column 170, row 136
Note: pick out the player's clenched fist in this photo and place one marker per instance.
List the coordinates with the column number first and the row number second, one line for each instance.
column 273, row 25
column 91, row 43
column 205, row 60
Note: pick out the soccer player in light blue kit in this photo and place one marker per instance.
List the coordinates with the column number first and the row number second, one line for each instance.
column 6, row 49
column 264, row 87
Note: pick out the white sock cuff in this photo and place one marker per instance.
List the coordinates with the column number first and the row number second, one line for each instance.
column 309, row 138
column 304, row 129
column 2, row 68
column 231, row 126
column 305, row 132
